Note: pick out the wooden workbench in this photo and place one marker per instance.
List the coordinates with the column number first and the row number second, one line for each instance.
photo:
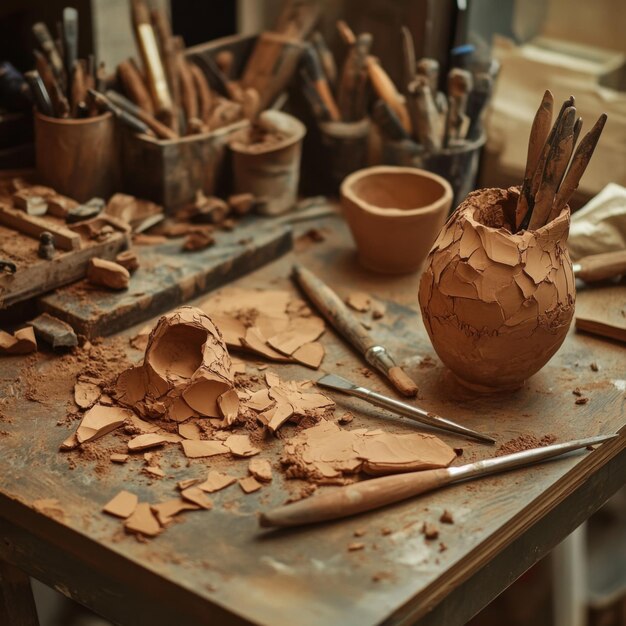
column 217, row 567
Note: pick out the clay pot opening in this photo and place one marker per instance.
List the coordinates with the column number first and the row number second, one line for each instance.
column 501, row 215
column 403, row 191
column 178, row 351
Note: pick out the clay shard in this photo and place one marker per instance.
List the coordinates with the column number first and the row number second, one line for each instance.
column 259, row 401
column 310, row 354
column 359, row 301
column 147, row 441
column 228, row 404
column 261, row 469
column 216, row 481
column 198, row 449
column 122, row 505
column 100, row 420
column 189, row 431
column 301, row 331
column 197, row 496
column 143, row 521
column 166, row 511
column 249, row 484
column 86, row 394
column 107, row 274
column 21, row 342
column 256, row 342
column 116, row 457
column 240, row 445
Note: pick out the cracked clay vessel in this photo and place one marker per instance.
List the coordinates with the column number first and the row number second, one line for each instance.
column 496, row 305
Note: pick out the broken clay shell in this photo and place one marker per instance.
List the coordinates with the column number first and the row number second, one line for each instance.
column 497, row 305
column 186, row 369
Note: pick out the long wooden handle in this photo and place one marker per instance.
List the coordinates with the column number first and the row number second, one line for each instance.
column 353, row 499
column 330, row 305
column 601, row 266
column 384, row 87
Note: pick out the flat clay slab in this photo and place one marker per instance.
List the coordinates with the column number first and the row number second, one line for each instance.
column 166, row 277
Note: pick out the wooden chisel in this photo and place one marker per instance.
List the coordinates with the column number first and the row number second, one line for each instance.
column 367, row 495
column 538, row 135
column 597, row 267
column 337, row 313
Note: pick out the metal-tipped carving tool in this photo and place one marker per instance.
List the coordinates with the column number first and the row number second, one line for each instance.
column 329, row 304
column 367, row 495
column 332, row 381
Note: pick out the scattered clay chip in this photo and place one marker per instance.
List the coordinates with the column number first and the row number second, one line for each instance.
column 261, row 469
column 146, row 441
column 216, row 481
column 359, row 301
column 99, row 421
column 197, row 496
column 189, row 431
column 228, row 404
column 446, row 517
column 143, row 521
column 166, row 511
column 355, row 545
column 118, row 458
column 154, row 471
column 240, row 445
column 582, row 400
column 21, row 342
column 86, row 394
column 107, row 274
column 310, row 354
column 300, row 332
column 188, row 482
column 378, row 309
column 122, row 505
column 198, row 449
column 430, row 531
column 249, row 484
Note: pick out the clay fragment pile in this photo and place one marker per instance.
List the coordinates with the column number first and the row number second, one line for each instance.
column 271, row 324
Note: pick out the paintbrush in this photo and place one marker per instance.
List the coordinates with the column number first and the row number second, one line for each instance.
column 40, row 94
column 160, row 130
column 326, row 57
column 70, row 38
column 336, row 312
column 556, row 164
column 477, row 103
column 538, row 135
column 134, row 123
column 78, row 87
column 386, row 90
column 60, row 104
column 577, row 168
column 312, row 96
column 314, row 68
column 46, row 43
column 332, row 381
column 374, row 493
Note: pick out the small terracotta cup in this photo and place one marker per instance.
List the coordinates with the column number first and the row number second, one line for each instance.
column 394, row 214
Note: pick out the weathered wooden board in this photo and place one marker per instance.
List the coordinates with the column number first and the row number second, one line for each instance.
column 168, row 277
column 35, row 276
column 218, row 567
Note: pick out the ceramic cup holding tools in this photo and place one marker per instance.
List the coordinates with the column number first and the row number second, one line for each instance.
column 78, row 157
column 394, row 214
column 271, row 171
column 497, row 305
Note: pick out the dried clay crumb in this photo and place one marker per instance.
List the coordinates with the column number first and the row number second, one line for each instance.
column 446, row 517
column 582, row 400
column 594, row 367
column 430, row 531
column 356, row 545
column 525, row 442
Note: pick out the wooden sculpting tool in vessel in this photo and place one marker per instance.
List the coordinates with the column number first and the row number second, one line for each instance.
column 375, row 493
column 332, row 381
column 336, row 312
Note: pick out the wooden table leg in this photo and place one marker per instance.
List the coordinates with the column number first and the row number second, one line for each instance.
column 17, row 605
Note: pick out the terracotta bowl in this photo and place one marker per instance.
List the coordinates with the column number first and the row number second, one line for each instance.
column 496, row 305
column 394, row 214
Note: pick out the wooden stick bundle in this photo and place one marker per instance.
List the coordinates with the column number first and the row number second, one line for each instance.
column 548, row 182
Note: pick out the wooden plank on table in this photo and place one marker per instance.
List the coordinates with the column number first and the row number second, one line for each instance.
column 167, row 277
column 33, row 226
column 42, row 276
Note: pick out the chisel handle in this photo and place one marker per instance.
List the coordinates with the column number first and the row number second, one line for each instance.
column 357, row 498
column 601, row 266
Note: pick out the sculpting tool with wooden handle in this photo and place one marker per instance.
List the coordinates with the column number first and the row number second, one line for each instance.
column 374, row 493
column 40, row 94
column 386, row 90
column 133, row 122
column 70, row 38
column 538, row 135
column 336, row 312
column 60, row 105
column 408, row 58
column 577, row 167
column 424, row 116
column 346, row 33
column 46, row 43
column 314, row 67
column 388, row 122
column 558, row 159
column 429, row 69
column 160, row 130
column 312, row 96
column 598, row 267
column 460, row 83
column 78, row 87
column 332, row 381
column 352, row 75
column 134, row 87
column 149, row 50
column 326, row 57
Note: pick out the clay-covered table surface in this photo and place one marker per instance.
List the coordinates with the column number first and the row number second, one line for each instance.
column 219, row 567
